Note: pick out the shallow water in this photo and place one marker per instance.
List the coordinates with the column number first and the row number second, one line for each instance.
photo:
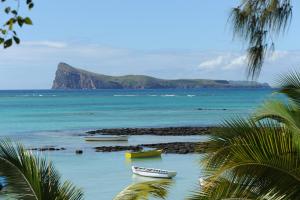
column 47, row 117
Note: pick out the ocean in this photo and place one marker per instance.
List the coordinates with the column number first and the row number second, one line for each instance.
column 60, row 117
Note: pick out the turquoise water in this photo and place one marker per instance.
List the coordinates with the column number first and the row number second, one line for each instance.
column 47, row 117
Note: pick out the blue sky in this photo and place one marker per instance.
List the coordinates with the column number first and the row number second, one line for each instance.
column 167, row 39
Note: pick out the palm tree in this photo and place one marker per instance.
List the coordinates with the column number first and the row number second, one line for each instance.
column 287, row 113
column 32, row 177
column 252, row 160
column 258, row 157
column 143, row 190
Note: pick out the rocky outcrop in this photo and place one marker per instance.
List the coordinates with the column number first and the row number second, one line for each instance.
column 172, row 131
column 179, row 147
column 171, row 147
column 68, row 77
column 48, row 148
column 118, row 148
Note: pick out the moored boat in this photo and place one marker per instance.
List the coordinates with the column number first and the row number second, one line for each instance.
column 205, row 181
column 154, row 173
column 106, row 138
column 3, row 182
column 143, row 154
column 202, row 181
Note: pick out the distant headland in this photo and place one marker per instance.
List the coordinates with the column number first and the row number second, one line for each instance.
column 68, row 77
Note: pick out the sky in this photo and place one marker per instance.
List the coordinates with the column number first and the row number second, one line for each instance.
column 167, row 39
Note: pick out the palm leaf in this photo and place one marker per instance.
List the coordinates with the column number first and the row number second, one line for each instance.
column 287, row 114
column 143, row 190
column 38, row 177
column 290, row 86
column 263, row 160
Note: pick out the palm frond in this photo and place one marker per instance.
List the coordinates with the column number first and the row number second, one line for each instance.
column 264, row 160
column 290, row 86
column 287, row 114
column 143, row 190
column 39, row 179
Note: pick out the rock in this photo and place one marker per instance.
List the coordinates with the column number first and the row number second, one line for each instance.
column 118, row 148
column 79, row 151
column 212, row 109
column 48, row 148
column 172, row 147
column 173, row 131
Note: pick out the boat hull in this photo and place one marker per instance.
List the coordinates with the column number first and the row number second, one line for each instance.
column 153, row 173
column 143, row 154
column 106, row 138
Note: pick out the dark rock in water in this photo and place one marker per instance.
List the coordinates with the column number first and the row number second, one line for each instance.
column 172, row 147
column 212, row 109
column 173, row 131
column 118, row 148
column 79, row 151
column 48, row 148
column 178, row 147
column 68, row 77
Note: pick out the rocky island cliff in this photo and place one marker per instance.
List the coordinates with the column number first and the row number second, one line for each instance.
column 68, row 77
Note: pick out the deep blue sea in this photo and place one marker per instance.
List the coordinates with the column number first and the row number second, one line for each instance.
column 50, row 117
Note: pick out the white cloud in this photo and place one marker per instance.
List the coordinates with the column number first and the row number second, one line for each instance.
column 213, row 63
column 33, row 63
column 236, row 62
column 50, row 44
column 225, row 61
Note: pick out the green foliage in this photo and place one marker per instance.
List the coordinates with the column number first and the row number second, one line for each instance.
column 290, row 86
column 259, row 157
column 12, row 18
column 144, row 190
column 287, row 114
column 258, row 22
column 32, row 177
column 253, row 160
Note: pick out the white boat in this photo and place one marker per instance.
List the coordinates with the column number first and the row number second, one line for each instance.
column 205, row 181
column 106, row 138
column 202, row 181
column 151, row 172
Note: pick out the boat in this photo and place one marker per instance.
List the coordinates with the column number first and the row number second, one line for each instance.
column 154, row 173
column 106, row 138
column 205, row 181
column 3, row 182
column 202, row 181
column 143, row 154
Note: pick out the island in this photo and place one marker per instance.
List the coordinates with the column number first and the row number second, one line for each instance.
column 68, row 77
